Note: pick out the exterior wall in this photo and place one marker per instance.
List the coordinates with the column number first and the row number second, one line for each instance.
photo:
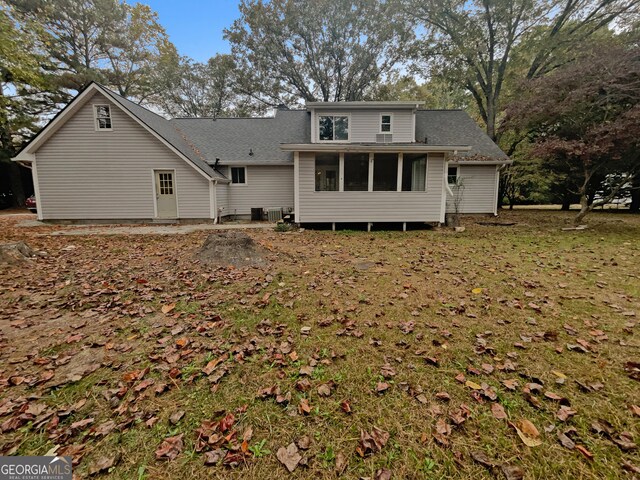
column 222, row 198
column 320, row 207
column 88, row 174
column 479, row 194
column 266, row 187
column 365, row 124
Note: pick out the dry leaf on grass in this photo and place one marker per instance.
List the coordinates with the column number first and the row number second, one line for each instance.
column 170, row 448
column 527, row 432
column 289, row 456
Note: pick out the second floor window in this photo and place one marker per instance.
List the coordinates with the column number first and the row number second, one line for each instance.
column 103, row 117
column 385, row 123
column 333, row 128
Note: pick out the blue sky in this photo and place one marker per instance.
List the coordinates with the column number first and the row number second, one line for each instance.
column 195, row 26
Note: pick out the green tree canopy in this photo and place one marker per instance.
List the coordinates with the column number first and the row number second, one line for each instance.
column 325, row 50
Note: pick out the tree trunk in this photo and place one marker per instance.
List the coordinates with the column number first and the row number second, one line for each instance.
column 584, row 209
column 566, row 204
column 635, row 195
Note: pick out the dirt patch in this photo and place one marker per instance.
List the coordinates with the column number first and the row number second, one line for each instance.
column 12, row 253
column 231, row 248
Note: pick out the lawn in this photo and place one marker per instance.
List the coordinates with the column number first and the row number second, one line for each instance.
column 501, row 351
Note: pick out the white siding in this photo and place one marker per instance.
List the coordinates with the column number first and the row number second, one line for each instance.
column 89, row 174
column 365, row 124
column 479, row 193
column 222, row 198
column 268, row 186
column 323, row 207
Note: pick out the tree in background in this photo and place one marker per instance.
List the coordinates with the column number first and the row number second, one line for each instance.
column 472, row 43
column 325, row 50
column 437, row 93
column 25, row 95
column 109, row 41
column 50, row 49
column 584, row 120
column 207, row 90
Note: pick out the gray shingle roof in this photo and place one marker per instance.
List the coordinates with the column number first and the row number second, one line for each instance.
column 203, row 140
column 232, row 139
column 456, row 127
column 167, row 131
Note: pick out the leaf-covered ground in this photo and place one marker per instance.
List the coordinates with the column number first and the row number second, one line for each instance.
column 500, row 351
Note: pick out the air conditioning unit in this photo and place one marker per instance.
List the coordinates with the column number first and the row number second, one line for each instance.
column 384, row 137
column 275, row 215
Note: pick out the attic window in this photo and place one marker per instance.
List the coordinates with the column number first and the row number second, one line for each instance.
column 385, row 123
column 333, row 128
column 103, row 117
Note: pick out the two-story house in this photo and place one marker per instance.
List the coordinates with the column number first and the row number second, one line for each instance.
column 105, row 158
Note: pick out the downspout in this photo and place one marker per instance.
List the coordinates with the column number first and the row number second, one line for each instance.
column 215, row 202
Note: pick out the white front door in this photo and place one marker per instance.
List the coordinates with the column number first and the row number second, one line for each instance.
column 166, row 206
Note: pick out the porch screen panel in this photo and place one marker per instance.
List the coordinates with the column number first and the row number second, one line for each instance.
column 414, row 173
column 356, row 172
column 385, row 172
column 327, row 166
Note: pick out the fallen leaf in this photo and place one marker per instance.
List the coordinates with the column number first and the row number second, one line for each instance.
column 176, row 417
column 473, row 385
column 168, row 308
column 584, row 451
column 564, row 413
column 102, row 464
column 341, row 463
column 498, row 411
column 565, row 441
column 289, row 456
column 381, row 387
column 476, row 291
column 527, row 432
column 373, row 442
column 512, row 472
column 345, row 405
column 483, row 459
column 383, row 474
column 324, row 390
column 214, row 457
column 170, row 448
column 304, row 407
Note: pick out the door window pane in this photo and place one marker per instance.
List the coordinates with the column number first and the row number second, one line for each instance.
column 327, row 166
column 385, row 172
column 356, row 172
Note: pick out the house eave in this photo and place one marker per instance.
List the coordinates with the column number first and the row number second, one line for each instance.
column 371, row 147
column 364, row 105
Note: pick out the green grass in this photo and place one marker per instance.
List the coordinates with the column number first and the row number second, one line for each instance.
column 426, row 277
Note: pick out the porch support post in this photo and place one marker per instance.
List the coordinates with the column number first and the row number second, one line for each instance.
column 404, row 226
column 296, row 186
column 369, row 224
column 400, row 160
column 341, row 173
column 371, row 172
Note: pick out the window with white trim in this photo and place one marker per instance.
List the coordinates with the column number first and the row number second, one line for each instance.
column 385, row 123
column 238, row 175
column 103, row 117
column 333, row 128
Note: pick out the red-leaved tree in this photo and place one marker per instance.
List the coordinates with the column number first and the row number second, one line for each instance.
column 584, row 120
